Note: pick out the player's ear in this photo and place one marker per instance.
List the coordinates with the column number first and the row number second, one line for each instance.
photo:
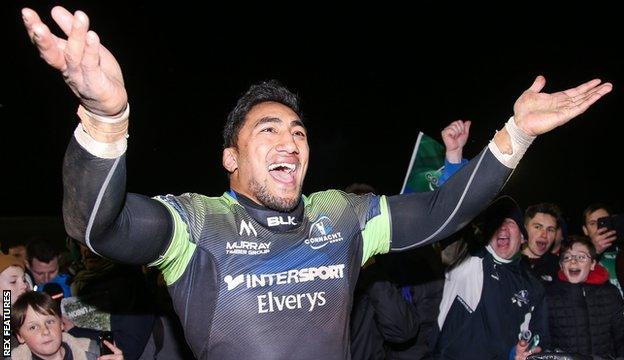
column 229, row 159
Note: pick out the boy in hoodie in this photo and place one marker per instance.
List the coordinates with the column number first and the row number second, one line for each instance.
column 586, row 312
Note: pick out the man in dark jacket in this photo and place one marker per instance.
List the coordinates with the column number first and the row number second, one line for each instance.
column 490, row 300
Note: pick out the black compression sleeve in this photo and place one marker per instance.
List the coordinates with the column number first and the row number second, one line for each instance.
column 97, row 211
column 422, row 218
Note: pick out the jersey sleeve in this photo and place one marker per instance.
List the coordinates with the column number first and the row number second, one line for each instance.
column 374, row 220
column 174, row 261
column 376, row 233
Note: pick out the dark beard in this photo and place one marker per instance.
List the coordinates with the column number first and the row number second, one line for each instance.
column 272, row 202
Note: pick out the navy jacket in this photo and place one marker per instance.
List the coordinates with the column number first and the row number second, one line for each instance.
column 486, row 304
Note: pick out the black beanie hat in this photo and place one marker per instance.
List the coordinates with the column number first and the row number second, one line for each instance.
column 500, row 209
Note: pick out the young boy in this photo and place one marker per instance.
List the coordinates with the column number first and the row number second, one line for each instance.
column 36, row 320
column 586, row 312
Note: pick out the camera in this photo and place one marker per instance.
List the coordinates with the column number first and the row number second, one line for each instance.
column 108, row 336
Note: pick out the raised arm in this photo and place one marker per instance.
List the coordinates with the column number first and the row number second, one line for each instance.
column 422, row 218
column 454, row 136
column 96, row 209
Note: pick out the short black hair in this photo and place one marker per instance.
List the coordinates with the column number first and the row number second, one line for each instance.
column 544, row 208
column 11, row 243
column 42, row 250
column 270, row 90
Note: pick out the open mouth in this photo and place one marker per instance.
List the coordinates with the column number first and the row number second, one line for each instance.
column 574, row 272
column 502, row 241
column 283, row 172
column 542, row 246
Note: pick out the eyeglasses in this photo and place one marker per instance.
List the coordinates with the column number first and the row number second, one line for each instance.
column 580, row 258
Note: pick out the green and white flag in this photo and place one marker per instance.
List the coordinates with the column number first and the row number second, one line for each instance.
column 425, row 167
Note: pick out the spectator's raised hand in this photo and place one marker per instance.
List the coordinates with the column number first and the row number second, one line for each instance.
column 455, row 136
column 89, row 69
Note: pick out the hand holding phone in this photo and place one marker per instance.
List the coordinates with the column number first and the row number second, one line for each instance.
column 614, row 225
column 108, row 336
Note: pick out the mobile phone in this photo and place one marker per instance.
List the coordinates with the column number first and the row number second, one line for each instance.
column 108, row 336
column 605, row 222
column 613, row 222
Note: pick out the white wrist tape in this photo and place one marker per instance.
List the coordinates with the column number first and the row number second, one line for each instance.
column 103, row 125
column 100, row 149
column 109, row 119
column 520, row 142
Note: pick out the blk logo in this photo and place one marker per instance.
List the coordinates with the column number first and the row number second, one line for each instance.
column 278, row 220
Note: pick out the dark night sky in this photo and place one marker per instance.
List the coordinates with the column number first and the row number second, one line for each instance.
column 369, row 79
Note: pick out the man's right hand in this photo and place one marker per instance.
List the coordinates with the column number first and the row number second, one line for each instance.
column 537, row 112
column 603, row 238
column 89, row 69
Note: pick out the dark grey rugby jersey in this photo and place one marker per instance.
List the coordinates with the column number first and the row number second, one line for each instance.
column 243, row 291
